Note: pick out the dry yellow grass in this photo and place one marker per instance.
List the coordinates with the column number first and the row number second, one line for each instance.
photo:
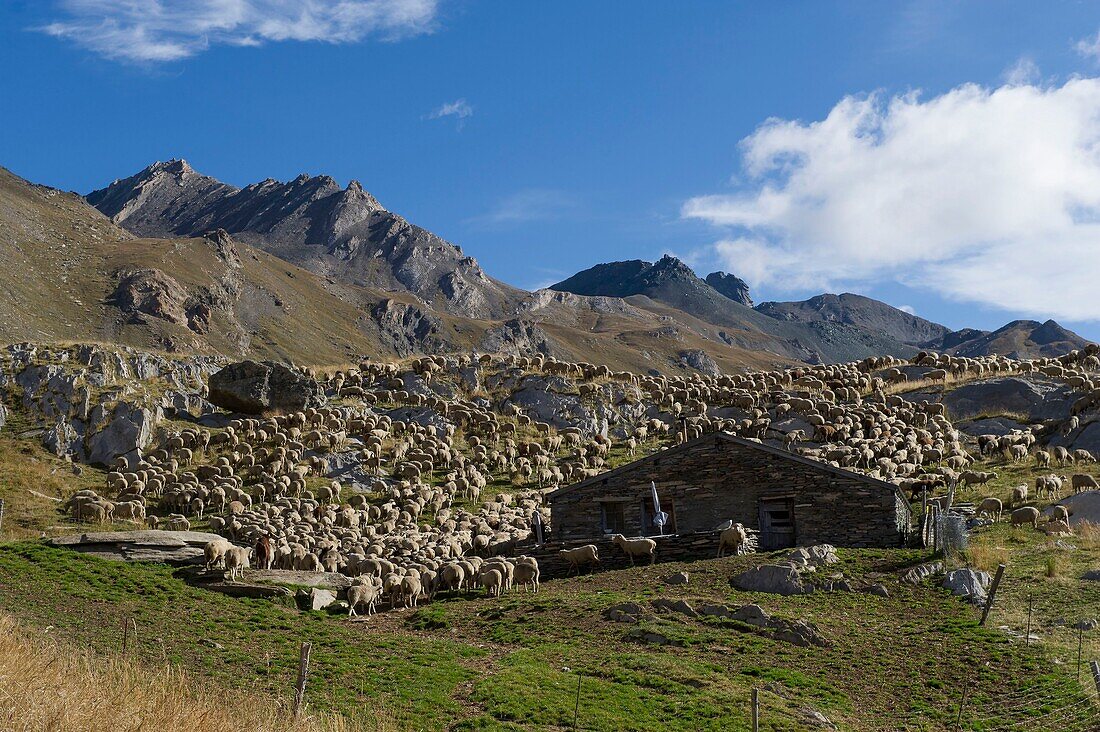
column 49, row 687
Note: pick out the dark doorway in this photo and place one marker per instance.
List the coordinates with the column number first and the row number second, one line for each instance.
column 776, row 524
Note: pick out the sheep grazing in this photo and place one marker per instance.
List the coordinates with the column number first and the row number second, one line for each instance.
column 236, row 561
column 1019, row 495
column 991, row 507
column 732, row 539
column 1059, row 513
column 636, row 548
column 582, row 556
column 1082, row 483
column 1025, row 515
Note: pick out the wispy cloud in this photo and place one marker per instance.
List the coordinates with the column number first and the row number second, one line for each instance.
column 989, row 196
column 1024, row 71
column 534, row 204
column 1089, row 47
column 907, row 309
column 460, row 109
column 153, row 31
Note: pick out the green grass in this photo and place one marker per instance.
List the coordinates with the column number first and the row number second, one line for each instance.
column 473, row 663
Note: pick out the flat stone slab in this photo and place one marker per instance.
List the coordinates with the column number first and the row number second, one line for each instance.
column 168, row 547
column 320, row 580
column 151, row 537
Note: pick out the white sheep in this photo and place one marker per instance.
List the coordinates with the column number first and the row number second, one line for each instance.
column 362, row 595
column 237, row 560
column 493, row 582
column 527, row 573
column 733, row 539
column 214, row 552
column 636, row 547
column 580, row 556
column 992, row 506
column 1025, row 515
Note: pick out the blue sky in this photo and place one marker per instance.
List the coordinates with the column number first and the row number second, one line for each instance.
column 546, row 137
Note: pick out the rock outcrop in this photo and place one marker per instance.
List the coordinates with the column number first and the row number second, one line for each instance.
column 252, row 387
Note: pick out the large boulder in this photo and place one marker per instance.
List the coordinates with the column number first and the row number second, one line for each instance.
column 1036, row 398
column 252, row 387
column 777, row 579
column 128, row 430
column 970, row 584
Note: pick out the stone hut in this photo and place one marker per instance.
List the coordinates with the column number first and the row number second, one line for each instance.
column 790, row 499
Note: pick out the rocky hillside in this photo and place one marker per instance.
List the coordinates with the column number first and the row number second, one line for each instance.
column 341, row 233
column 861, row 312
column 669, row 286
column 1018, row 339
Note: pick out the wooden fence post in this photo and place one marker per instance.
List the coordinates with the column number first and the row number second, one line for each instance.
column 303, row 671
column 962, row 702
column 992, row 592
column 755, row 709
column 1, row 512
column 1095, row 666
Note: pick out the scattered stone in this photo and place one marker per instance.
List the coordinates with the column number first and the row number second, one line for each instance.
column 315, row 599
column 916, row 575
column 676, row 606
column 877, row 589
column 820, row 555
column 651, row 637
column 969, row 584
column 212, row 643
column 1087, row 624
column 626, row 612
column 680, row 578
column 1093, row 575
column 777, row 579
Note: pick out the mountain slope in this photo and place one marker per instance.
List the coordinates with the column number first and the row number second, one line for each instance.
column 344, row 234
column 73, row 275
column 860, row 311
column 1018, row 339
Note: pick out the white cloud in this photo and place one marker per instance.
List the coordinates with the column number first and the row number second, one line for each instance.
column 1025, row 71
column 987, row 196
column 535, row 204
column 460, row 109
column 150, row 31
column 1089, row 47
column 907, row 309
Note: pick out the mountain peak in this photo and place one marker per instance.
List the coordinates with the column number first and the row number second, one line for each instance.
column 731, row 286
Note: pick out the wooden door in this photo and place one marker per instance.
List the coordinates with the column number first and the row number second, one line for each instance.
column 776, row 524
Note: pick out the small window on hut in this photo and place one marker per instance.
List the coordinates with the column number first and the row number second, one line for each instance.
column 611, row 517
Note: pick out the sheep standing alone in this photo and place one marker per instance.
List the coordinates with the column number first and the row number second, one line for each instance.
column 636, row 548
column 362, row 595
column 214, row 552
column 581, row 556
column 733, row 539
column 236, row 561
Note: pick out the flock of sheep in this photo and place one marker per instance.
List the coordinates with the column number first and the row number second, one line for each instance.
column 431, row 443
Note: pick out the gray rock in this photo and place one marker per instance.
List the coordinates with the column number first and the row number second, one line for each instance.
column 315, row 599
column 777, row 579
column 969, row 584
column 1036, row 397
column 252, row 387
column 3, row 416
column 676, row 606
column 821, row 555
column 167, row 547
column 916, row 575
column 877, row 589
column 1087, row 624
column 128, row 431
column 680, row 578
column 1093, row 575
column 751, row 614
column 625, row 612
